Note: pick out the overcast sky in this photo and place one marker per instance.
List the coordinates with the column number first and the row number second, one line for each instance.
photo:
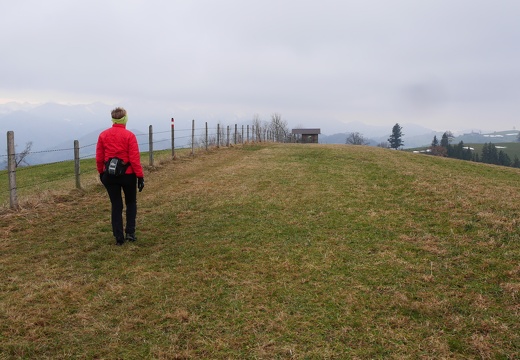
column 445, row 64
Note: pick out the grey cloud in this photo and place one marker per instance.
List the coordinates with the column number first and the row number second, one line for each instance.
column 373, row 59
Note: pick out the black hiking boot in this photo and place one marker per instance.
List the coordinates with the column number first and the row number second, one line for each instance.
column 120, row 241
column 131, row 237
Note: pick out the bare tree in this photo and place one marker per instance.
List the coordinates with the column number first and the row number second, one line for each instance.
column 355, row 138
column 21, row 157
column 222, row 134
column 446, row 139
column 258, row 127
column 450, row 136
column 278, row 128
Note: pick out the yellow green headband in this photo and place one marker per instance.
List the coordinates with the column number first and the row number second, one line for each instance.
column 121, row 121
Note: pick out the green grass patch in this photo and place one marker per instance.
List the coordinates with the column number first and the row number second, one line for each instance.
column 511, row 149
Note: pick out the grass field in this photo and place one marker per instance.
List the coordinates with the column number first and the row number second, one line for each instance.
column 272, row 252
column 511, row 149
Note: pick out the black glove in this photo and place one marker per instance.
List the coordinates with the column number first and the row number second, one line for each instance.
column 140, row 184
column 101, row 177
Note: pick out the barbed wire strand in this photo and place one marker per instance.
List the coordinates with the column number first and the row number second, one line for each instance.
column 218, row 132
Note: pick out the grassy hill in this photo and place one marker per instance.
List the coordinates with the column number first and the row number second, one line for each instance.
column 276, row 251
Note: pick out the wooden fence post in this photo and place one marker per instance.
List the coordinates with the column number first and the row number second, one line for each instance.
column 173, row 139
column 150, row 144
column 193, row 137
column 206, row 136
column 242, row 137
column 227, row 140
column 218, row 136
column 236, row 132
column 77, row 171
column 11, row 169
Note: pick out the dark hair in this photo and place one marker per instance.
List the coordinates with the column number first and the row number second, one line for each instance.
column 118, row 113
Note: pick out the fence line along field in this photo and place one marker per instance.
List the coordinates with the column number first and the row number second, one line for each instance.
column 272, row 251
column 54, row 173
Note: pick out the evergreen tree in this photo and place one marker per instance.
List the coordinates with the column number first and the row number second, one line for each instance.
column 468, row 155
column 503, row 159
column 435, row 142
column 456, row 151
column 445, row 141
column 459, row 151
column 490, row 154
column 485, row 153
column 395, row 139
column 516, row 162
column 449, row 151
column 493, row 152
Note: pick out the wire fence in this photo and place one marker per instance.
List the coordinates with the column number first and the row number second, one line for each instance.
column 19, row 175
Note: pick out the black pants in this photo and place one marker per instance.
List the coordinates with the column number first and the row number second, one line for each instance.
column 114, row 185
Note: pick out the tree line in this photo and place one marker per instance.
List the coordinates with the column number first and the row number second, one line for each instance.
column 489, row 155
column 395, row 141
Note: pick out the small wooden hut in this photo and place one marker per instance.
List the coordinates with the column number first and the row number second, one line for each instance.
column 306, row 135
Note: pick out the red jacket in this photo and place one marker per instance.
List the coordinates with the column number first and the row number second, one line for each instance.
column 119, row 142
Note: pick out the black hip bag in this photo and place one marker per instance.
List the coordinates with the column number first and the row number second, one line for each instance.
column 116, row 167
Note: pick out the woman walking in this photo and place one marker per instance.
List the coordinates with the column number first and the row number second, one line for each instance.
column 119, row 165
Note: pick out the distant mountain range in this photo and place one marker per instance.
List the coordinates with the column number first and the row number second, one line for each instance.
column 413, row 135
column 53, row 127
column 50, row 124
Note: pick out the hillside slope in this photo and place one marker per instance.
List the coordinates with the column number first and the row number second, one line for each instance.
column 275, row 251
